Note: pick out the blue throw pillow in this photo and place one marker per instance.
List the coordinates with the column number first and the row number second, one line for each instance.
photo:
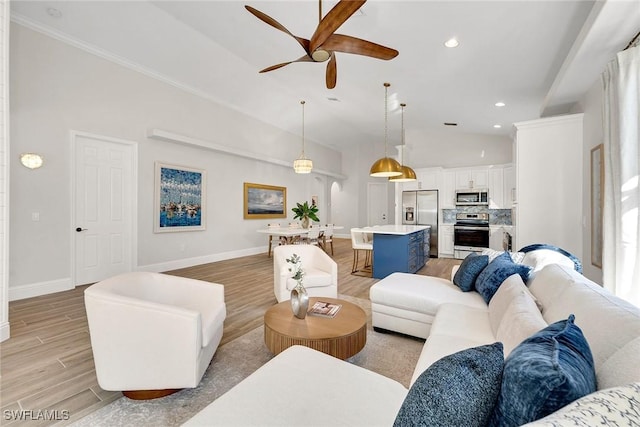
column 458, row 390
column 490, row 279
column 547, row 371
column 469, row 270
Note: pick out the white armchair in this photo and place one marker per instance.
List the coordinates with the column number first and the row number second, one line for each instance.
column 153, row 334
column 321, row 272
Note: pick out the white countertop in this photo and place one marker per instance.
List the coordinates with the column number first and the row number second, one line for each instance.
column 396, row 229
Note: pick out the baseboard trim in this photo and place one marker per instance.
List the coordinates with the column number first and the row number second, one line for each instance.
column 4, row 331
column 37, row 289
column 190, row 262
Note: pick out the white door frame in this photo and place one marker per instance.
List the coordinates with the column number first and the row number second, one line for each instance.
column 134, row 196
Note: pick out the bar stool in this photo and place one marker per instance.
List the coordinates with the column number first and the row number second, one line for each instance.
column 359, row 242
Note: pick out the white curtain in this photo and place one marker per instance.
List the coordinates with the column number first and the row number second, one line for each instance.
column 621, row 112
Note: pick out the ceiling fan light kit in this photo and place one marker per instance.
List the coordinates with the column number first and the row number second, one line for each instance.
column 408, row 174
column 324, row 43
column 385, row 167
column 302, row 164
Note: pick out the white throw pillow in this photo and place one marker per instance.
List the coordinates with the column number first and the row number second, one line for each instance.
column 492, row 253
column 521, row 320
column 617, row 406
column 539, row 258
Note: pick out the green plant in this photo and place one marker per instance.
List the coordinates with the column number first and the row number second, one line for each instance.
column 305, row 210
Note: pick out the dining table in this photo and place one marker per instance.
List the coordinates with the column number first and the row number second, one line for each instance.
column 291, row 235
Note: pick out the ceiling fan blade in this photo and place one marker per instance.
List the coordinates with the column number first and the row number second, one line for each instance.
column 305, row 58
column 332, row 72
column 348, row 44
column 275, row 24
column 333, row 20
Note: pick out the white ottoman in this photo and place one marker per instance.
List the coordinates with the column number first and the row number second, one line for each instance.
column 407, row 303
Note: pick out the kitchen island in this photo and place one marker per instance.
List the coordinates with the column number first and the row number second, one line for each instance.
column 399, row 248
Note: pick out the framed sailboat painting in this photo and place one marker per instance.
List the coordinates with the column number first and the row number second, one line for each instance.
column 179, row 198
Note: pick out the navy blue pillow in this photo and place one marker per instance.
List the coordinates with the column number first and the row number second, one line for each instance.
column 469, row 270
column 547, row 371
column 458, row 390
column 502, row 266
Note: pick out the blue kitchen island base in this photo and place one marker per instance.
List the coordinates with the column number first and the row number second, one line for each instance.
column 403, row 249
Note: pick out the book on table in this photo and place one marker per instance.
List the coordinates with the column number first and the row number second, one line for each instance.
column 324, row 309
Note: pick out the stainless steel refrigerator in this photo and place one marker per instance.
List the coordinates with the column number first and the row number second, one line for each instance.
column 421, row 208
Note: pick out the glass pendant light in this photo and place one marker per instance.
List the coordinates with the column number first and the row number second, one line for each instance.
column 408, row 174
column 386, row 166
column 302, row 164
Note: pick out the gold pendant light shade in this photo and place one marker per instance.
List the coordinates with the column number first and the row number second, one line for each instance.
column 302, row 164
column 386, row 166
column 408, row 174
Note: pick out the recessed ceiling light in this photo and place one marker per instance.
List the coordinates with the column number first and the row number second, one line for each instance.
column 497, row 126
column 500, row 104
column 53, row 12
column 452, row 42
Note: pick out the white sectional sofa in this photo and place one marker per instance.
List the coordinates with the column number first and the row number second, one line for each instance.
column 304, row 387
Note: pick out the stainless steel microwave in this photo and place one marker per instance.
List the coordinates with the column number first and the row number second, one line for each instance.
column 475, row 197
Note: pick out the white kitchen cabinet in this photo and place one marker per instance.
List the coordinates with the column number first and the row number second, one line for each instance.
column 496, row 188
column 509, row 187
column 448, row 190
column 445, row 241
column 472, row 178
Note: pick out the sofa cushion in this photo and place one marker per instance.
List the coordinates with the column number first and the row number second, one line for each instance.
column 546, row 372
column 607, row 321
column 618, row 406
column 496, row 272
column 457, row 320
column 507, row 291
column 458, row 390
column 521, row 320
column 622, row 367
column 422, row 294
column 469, row 270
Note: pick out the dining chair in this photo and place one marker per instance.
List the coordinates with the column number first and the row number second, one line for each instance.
column 359, row 242
column 312, row 237
column 327, row 237
column 272, row 225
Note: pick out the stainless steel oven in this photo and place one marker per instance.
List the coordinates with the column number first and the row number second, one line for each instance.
column 470, row 233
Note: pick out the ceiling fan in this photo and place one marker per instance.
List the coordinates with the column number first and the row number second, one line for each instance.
column 324, row 43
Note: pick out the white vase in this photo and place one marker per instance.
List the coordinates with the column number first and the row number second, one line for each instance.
column 305, row 222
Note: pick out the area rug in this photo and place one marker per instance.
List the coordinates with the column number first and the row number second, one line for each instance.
column 391, row 355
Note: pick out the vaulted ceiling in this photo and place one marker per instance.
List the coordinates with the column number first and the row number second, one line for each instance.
column 538, row 57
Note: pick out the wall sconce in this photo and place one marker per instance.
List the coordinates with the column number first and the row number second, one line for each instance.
column 31, row 160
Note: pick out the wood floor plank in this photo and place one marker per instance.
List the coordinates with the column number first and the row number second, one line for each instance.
column 48, row 364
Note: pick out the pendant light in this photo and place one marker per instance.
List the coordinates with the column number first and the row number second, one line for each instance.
column 302, row 164
column 386, row 166
column 408, row 174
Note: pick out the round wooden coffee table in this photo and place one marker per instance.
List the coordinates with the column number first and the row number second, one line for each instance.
column 341, row 336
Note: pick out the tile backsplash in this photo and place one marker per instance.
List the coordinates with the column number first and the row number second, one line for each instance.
column 496, row 216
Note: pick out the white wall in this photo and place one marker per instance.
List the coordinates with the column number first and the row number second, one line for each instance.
column 591, row 106
column 4, row 172
column 450, row 148
column 56, row 88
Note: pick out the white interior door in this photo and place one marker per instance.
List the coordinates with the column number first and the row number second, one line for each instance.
column 378, row 203
column 104, row 188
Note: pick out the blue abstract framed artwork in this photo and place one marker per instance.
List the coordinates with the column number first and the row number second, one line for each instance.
column 264, row 201
column 180, row 203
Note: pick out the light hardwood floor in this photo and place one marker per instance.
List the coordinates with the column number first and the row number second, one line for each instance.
column 47, row 364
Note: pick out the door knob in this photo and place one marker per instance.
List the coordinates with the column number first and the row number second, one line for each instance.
column 80, row 229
